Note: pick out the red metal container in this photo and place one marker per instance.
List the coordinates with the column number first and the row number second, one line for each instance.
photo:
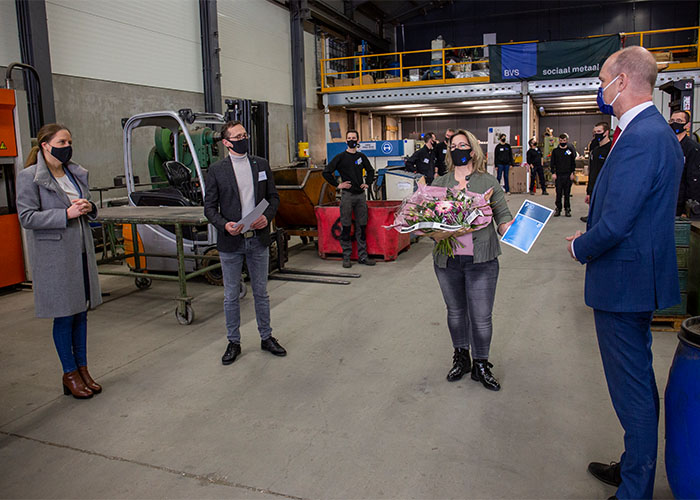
column 386, row 243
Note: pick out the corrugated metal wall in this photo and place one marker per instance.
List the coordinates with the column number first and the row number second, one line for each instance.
column 154, row 43
column 9, row 41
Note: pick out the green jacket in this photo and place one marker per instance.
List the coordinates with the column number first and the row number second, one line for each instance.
column 486, row 246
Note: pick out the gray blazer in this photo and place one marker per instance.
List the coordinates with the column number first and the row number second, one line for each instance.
column 54, row 243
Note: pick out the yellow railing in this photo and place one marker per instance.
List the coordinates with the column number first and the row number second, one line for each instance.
column 442, row 71
column 689, row 52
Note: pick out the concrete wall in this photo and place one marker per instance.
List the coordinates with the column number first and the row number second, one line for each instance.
column 93, row 109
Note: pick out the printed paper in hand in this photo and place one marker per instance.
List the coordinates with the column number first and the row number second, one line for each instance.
column 527, row 226
column 253, row 216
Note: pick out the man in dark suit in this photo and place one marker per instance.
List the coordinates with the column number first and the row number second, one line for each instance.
column 630, row 254
column 235, row 186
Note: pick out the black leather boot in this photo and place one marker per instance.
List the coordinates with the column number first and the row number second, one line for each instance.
column 481, row 372
column 461, row 364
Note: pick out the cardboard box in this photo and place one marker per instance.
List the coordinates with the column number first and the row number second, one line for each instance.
column 517, row 179
column 343, row 82
column 663, row 56
column 366, row 80
column 396, row 79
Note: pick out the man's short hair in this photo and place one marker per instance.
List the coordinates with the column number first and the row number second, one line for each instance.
column 532, row 141
column 450, row 130
column 428, row 135
column 564, row 136
column 502, row 136
column 605, row 125
column 353, row 131
column 637, row 63
column 686, row 113
column 228, row 126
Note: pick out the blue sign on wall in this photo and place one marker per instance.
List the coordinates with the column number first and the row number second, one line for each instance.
column 369, row 148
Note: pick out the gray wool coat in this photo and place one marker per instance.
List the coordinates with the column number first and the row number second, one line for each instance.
column 54, row 243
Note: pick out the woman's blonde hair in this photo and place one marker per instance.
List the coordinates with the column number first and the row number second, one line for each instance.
column 45, row 134
column 478, row 158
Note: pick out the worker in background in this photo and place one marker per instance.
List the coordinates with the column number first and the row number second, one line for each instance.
column 503, row 159
column 598, row 153
column 534, row 159
column 690, row 180
column 563, row 165
column 235, row 186
column 423, row 160
column 356, row 175
column 441, row 149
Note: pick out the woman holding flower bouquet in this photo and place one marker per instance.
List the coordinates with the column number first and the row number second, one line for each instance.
column 468, row 277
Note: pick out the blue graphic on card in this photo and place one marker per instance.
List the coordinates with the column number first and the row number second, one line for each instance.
column 527, row 226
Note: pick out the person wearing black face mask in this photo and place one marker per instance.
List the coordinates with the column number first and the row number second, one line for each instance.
column 468, row 280
column 54, row 207
column 235, row 186
column 690, row 180
column 441, row 150
column 423, row 160
column 503, row 159
column 598, row 153
column 356, row 174
column 534, row 159
column 563, row 165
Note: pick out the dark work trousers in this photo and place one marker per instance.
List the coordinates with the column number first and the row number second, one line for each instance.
column 563, row 184
column 469, row 291
column 537, row 172
column 502, row 171
column 625, row 347
column 353, row 203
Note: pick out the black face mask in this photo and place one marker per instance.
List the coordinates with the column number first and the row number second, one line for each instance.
column 239, row 147
column 563, row 145
column 352, row 143
column 599, row 137
column 678, row 128
column 461, row 157
column 62, row 154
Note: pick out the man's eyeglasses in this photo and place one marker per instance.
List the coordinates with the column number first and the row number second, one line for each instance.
column 238, row 137
column 682, row 122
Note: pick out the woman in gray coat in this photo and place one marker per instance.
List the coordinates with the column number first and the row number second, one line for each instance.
column 53, row 201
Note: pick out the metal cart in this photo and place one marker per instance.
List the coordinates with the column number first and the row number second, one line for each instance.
column 176, row 217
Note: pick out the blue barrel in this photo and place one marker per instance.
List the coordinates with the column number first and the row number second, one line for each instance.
column 683, row 414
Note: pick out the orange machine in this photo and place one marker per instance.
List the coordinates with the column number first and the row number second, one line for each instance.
column 11, row 256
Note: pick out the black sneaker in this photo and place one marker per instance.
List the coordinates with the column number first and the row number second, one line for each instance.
column 232, row 352
column 545, row 193
column 347, row 263
column 584, row 219
column 271, row 345
column 367, row 262
column 568, row 213
column 607, row 473
column 557, row 213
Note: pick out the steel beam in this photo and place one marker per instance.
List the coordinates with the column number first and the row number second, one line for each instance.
column 35, row 51
column 298, row 13
column 211, row 68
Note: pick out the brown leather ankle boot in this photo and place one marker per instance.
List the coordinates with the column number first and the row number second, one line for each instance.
column 89, row 382
column 73, row 384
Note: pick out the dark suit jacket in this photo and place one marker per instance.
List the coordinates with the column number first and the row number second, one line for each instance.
column 222, row 203
column 629, row 244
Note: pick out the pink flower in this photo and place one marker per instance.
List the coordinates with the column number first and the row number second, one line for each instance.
column 443, row 207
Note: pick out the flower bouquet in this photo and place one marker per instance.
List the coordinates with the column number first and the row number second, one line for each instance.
column 437, row 210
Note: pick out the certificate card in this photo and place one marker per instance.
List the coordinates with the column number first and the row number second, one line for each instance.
column 527, row 226
column 253, row 216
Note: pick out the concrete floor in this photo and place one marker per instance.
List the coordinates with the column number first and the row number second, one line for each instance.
column 360, row 407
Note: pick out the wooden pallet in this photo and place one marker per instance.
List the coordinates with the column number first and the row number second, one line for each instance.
column 667, row 323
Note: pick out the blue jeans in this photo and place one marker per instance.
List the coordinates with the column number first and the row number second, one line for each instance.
column 502, row 170
column 625, row 347
column 469, row 291
column 257, row 257
column 70, row 337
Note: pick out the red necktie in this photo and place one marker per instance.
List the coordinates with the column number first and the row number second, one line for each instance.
column 617, row 133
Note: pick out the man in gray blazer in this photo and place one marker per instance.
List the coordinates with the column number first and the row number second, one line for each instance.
column 235, row 186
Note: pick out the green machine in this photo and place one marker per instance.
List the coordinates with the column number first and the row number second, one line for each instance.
column 204, row 140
